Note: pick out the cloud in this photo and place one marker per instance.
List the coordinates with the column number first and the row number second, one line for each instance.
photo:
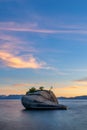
column 9, row 43
column 15, row 45
column 7, row 0
column 23, row 85
column 81, row 81
column 11, row 47
column 6, row 37
column 28, row 85
column 18, row 62
column 76, row 70
column 16, row 53
column 30, row 30
column 10, row 90
column 33, row 27
column 70, row 91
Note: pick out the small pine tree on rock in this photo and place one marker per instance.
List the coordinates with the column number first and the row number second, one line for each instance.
column 41, row 88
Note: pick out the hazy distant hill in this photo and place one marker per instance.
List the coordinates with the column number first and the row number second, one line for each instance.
column 19, row 97
column 77, row 97
column 10, row 96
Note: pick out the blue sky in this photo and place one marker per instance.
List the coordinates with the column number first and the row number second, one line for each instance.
column 43, row 43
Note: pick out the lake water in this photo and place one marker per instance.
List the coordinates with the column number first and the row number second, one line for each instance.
column 13, row 116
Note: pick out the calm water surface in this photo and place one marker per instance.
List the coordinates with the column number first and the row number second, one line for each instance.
column 13, row 116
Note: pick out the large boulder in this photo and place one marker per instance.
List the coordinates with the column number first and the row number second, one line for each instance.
column 41, row 99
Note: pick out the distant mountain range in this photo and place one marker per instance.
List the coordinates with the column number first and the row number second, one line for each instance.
column 19, row 97
column 10, row 96
column 77, row 97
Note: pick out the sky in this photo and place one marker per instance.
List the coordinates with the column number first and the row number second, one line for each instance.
column 43, row 43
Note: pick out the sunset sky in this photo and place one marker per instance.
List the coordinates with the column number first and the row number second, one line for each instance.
column 43, row 43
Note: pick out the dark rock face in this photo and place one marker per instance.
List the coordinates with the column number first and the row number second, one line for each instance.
column 41, row 100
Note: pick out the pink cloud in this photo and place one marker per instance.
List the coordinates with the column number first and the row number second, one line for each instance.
column 15, row 45
column 8, row 37
column 11, row 47
column 18, row 62
column 33, row 27
column 29, row 30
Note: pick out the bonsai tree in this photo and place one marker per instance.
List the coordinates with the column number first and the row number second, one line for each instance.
column 41, row 88
column 31, row 90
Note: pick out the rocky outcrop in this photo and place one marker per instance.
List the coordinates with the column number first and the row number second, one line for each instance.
column 41, row 99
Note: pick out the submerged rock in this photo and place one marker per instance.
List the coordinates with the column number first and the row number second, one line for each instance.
column 41, row 99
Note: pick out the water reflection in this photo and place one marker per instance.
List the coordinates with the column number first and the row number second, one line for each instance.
column 13, row 116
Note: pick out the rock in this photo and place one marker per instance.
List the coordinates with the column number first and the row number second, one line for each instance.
column 41, row 99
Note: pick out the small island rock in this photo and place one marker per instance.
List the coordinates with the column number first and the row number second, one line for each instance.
column 41, row 99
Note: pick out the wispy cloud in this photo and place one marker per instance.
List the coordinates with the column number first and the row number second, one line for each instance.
column 28, row 85
column 16, row 53
column 25, row 62
column 9, row 38
column 11, row 90
column 82, row 81
column 15, row 45
column 33, row 27
column 18, row 62
column 23, row 85
column 7, row 0
column 70, row 91
column 76, row 70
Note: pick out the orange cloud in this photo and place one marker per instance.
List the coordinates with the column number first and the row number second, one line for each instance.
column 62, row 91
column 18, row 62
column 27, row 85
column 81, row 81
column 70, row 91
column 10, row 90
column 22, row 85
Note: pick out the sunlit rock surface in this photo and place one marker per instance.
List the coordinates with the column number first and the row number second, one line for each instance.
column 41, row 99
